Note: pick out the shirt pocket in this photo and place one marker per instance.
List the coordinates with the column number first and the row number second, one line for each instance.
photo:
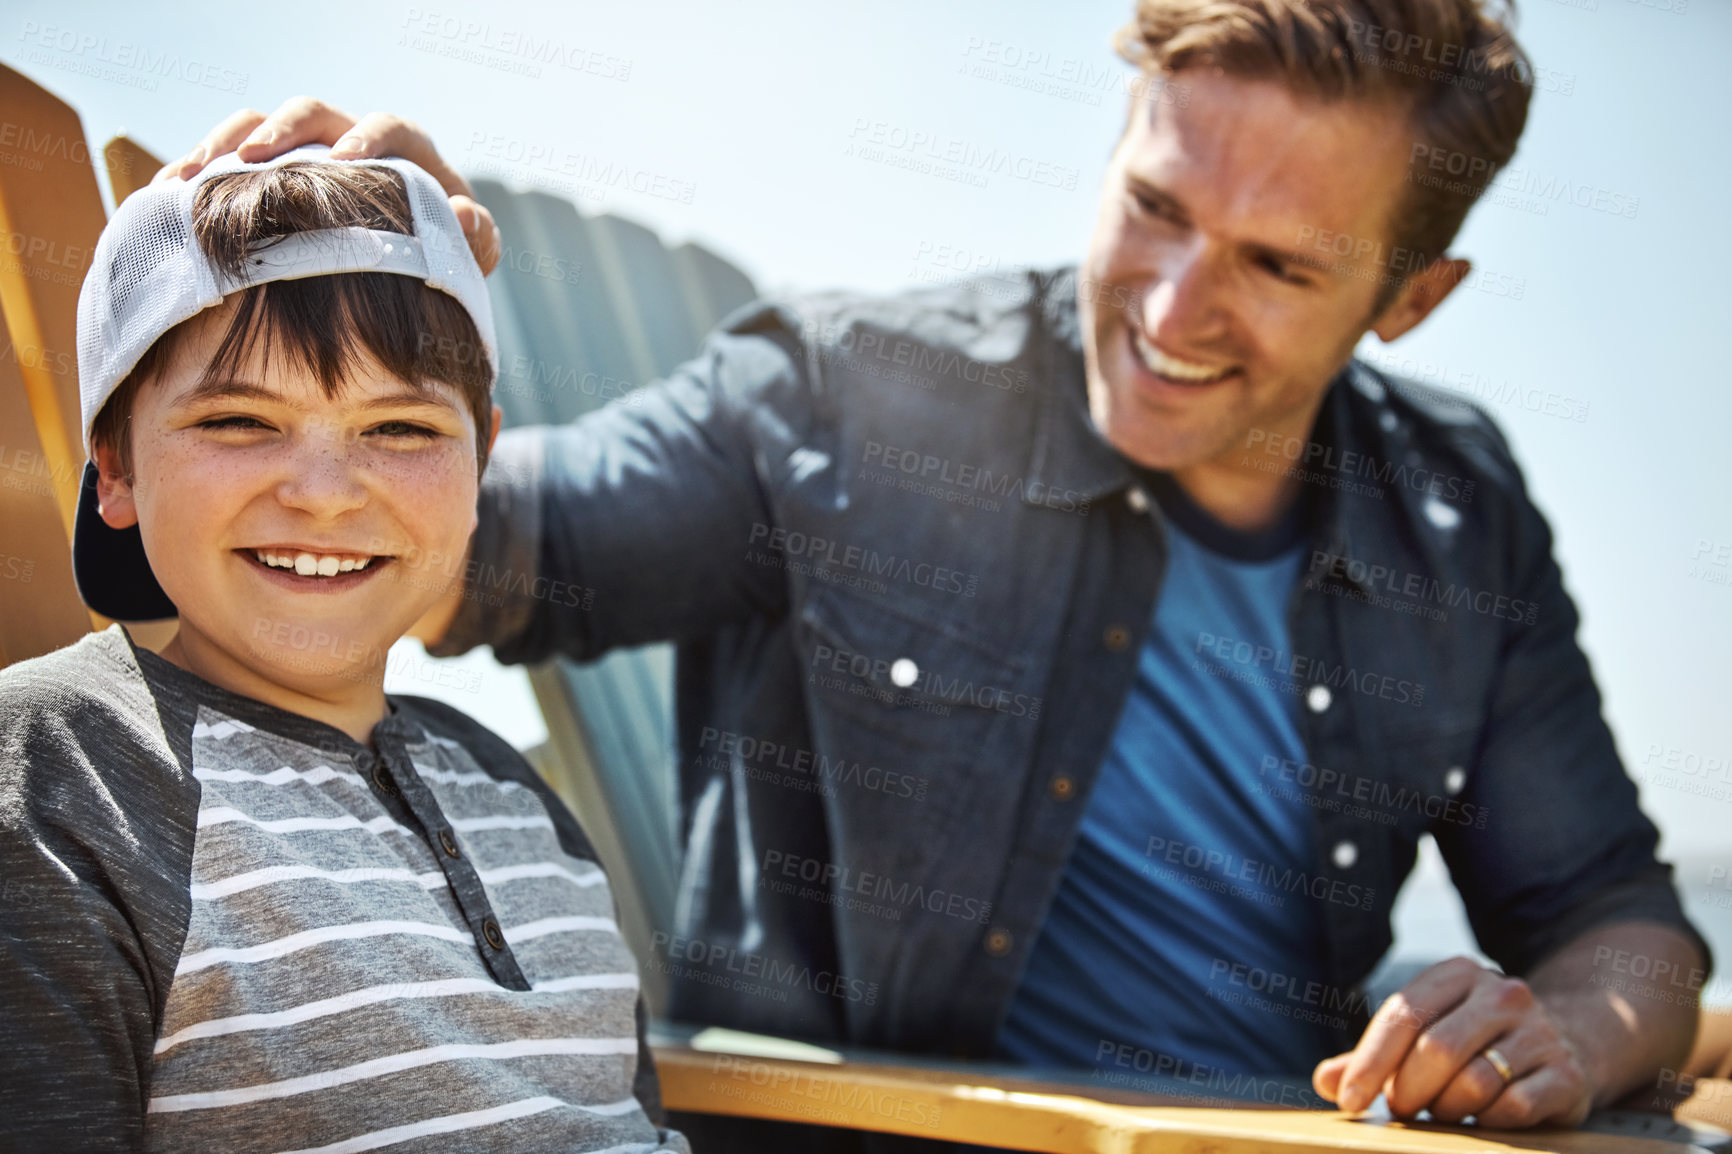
column 912, row 693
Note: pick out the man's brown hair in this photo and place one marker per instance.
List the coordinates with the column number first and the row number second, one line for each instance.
column 323, row 324
column 1453, row 63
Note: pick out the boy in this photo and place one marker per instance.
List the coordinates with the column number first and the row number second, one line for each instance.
column 251, row 902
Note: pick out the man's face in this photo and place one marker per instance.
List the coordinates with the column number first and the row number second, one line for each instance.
column 1208, row 309
column 299, row 535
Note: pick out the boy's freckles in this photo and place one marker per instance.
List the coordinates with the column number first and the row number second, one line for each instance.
column 277, row 503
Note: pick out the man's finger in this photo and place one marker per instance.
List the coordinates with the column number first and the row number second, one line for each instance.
column 1555, row 1094
column 300, row 120
column 1450, row 1047
column 222, row 138
column 1398, row 1024
column 383, row 134
column 1326, row 1078
column 1479, row 1082
column 479, row 230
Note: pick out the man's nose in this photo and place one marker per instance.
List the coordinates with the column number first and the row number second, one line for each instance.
column 1181, row 306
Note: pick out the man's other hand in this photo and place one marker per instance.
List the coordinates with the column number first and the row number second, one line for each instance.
column 1426, row 1050
column 304, row 120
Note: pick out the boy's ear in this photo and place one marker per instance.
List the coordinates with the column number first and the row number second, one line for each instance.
column 114, row 489
column 498, row 415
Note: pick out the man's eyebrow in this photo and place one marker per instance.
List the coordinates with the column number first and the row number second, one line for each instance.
column 1143, row 188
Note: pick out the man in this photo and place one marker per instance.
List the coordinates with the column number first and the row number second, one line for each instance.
column 1056, row 658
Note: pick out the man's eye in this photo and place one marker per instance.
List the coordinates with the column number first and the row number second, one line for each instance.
column 1281, row 270
column 239, row 423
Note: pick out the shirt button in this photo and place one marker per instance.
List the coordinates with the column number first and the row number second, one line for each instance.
column 1344, row 855
column 903, row 672
column 383, row 780
column 1453, row 779
column 490, row 931
column 1117, row 637
column 1063, row 787
column 998, row 943
column 1137, row 498
column 449, row 842
column 1317, row 698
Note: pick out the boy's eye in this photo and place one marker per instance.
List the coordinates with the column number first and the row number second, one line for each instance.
column 403, row 429
column 233, row 423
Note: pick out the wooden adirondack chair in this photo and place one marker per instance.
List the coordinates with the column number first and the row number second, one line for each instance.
column 601, row 300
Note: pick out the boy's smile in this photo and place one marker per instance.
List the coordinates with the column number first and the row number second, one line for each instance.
column 300, row 534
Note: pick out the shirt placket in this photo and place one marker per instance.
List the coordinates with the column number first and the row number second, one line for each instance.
column 391, row 774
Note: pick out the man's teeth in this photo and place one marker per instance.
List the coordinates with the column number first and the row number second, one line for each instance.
column 1172, row 367
column 312, row 564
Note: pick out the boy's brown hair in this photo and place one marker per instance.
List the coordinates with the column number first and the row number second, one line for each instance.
column 1455, row 65
column 323, row 324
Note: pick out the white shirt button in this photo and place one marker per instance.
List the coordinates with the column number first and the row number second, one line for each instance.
column 903, row 673
column 1317, row 698
column 1344, row 855
column 1137, row 499
column 1453, row 779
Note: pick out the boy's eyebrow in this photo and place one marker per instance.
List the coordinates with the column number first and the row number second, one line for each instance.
column 227, row 388
column 221, row 388
column 432, row 398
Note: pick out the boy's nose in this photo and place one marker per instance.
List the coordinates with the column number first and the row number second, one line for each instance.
column 321, row 475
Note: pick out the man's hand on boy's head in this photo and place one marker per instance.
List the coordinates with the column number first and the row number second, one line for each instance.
column 304, row 120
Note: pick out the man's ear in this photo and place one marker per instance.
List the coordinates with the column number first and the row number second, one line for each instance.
column 1424, row 291
column 113, row 489
column 498, row 415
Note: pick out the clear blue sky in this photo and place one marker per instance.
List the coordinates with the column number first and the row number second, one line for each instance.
column 738, row 117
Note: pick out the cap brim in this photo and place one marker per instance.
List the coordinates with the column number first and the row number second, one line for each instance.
column 109, row 566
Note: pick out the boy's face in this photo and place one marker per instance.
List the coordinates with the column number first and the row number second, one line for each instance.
column 299, row 535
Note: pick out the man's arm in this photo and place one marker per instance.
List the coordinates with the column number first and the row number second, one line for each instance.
column 1561, row 879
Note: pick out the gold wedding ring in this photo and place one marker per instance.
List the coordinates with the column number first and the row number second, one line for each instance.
column 1498, row 1063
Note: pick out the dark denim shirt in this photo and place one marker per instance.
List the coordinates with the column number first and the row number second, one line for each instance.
column 908, row 581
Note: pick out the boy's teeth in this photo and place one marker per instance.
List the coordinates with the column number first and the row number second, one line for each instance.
column 312, row 564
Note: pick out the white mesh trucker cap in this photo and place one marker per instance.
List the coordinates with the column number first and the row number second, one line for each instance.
column 149, row 274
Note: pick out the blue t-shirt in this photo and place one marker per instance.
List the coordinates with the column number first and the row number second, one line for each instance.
column 1178, row 907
